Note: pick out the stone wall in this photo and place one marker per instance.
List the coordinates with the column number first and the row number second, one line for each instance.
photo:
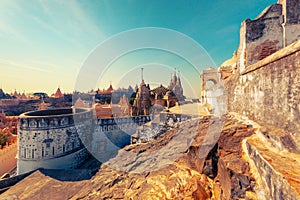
column 69, row 161
column 112, row 134
column 276, row 27
column 261, row 37
column 8, row 159
column 269, row 90
column 292, row 20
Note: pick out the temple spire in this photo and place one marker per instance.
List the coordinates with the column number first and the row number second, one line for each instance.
column 142, row 75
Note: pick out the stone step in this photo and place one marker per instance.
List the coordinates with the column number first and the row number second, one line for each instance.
column 277, row 137
column 276, row 172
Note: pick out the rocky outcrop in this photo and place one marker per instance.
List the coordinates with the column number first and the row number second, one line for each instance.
column 203, row 160
column 233, row 170
column 278, row 171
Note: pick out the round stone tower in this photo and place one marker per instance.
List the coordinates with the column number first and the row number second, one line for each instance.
column 52, row 139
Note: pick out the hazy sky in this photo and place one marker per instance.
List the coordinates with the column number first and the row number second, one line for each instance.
column 44, row 43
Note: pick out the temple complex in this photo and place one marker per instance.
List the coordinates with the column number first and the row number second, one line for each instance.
column 18, row 95
column 112, row 110
column 251, row 150
column 160, row 96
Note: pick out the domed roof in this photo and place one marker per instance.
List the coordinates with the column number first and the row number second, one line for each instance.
column 231, row 61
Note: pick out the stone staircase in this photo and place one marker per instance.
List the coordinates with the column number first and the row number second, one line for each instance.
column 274, row 162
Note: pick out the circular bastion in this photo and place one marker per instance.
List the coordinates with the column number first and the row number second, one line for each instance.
column 52, row 139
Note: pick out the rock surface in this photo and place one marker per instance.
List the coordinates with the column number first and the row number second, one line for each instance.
column 203, row 160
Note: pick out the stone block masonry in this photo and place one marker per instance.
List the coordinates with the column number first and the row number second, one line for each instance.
column 269, row 90
column 276, row 27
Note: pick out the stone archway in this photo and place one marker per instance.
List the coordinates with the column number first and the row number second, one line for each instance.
column 210, row 80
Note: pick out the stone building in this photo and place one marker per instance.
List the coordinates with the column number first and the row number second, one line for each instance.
column 212, row 91
column 112, row 110
column 21, row 96
column 104, row 96
column 43, row 105
column 142, row 102
column 163, row 97
column 276, row 27
column 159, row 97
column 124, row 106
column 210, row 79
column 52, row 139
column 4, row 95
column 176, row 87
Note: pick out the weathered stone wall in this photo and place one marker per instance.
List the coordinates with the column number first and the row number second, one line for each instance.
column 261, row 37
column 8, row 159
column 269, row 90
column 276, row 27
column 69, row 161
column 292, row 21
column 291, row 10
column 112, row 134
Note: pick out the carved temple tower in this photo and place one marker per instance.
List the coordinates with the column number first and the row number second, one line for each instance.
column 176, row 87
column 142, row 103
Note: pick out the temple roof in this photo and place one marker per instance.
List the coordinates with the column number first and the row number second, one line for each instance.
column 79, row 103
column 109, row 90
column 58, row 93
column 159, row 91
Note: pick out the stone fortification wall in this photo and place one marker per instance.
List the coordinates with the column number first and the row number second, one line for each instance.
column 8, row 159
column 69, row 161
column 261, row 37
column 111, row 134
column 269, row 90
column 47, row 138
column 291, row 25
column 276, row 27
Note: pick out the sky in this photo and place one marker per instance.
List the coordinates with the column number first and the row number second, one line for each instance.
column 45, row 44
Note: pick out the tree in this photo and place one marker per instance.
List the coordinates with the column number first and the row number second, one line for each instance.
column 3, row 139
